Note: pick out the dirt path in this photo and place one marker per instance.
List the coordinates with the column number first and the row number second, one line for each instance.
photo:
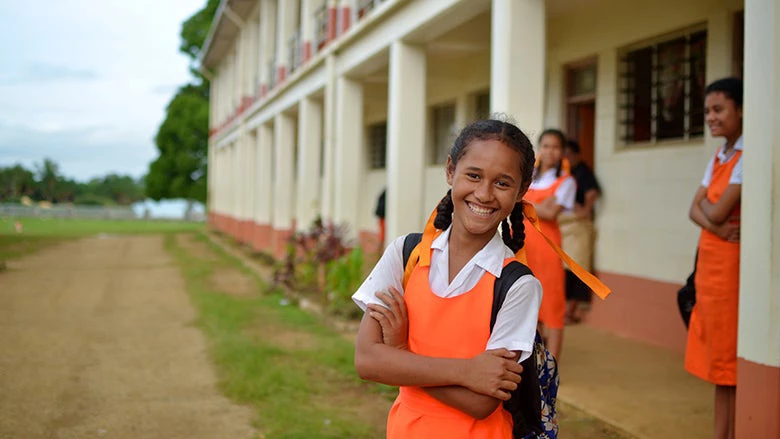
column 96, row 340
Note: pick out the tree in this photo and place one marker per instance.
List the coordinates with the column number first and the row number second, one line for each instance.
column 49, row 176
column 182, row 139
column 15, row 182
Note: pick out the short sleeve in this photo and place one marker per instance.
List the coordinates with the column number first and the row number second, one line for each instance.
column 708, row 172
column 566, row 192
column 736, row 172
column 388, row 272
column 515, row 327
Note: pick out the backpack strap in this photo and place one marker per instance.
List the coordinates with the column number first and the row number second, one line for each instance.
column 411, row 254
column 525, row 405
column 509, row 275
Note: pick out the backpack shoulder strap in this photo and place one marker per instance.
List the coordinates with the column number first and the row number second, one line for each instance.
column 509, row 275
column 410, row 256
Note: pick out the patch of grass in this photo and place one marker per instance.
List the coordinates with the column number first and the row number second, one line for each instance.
column 295, row 371
column 15, row 246
column 64, row 227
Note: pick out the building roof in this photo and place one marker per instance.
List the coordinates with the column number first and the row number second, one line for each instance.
column 224, row 30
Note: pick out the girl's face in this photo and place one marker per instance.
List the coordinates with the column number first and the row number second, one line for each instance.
column 486, row 184
column 550, row 151
column 722, row 115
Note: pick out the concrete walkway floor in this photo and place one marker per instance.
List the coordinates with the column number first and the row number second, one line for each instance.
column 639, row 388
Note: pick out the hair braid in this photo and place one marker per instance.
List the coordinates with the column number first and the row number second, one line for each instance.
column 518, row 227
column 506, row 235
column 444, row 212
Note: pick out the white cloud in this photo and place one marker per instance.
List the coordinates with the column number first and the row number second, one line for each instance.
column 86, row 82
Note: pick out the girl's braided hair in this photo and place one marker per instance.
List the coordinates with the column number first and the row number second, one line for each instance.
column 511, row 136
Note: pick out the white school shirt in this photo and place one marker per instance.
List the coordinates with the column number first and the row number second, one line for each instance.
column 736, row 172
column 566, row 192
column 515, row 326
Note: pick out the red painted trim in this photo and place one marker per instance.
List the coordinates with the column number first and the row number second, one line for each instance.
column 279, row 242
column 306, row 50
column 281, row 74
column 642, row 309
column 263, row 89
column 758, row 400
column 261, row 236
column 332, row 15
column 345, row 18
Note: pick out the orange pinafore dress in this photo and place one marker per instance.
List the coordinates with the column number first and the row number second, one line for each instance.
column 545, row 262
column 711, row 353
column 455, row 327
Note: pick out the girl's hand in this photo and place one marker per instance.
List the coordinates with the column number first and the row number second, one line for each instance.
column 392, row 319
column 728, row 231
column 493, row 373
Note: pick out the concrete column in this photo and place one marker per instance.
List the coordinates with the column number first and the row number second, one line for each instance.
column 517, row 62
column 261, row 237
column 286, row 26
column 235, row 188
column 307, row 28
column 406, row 115
column 249, row 185
column 268, row 43
column 284, row 148
column 309, row 141
column 348, row 153
column 758, row 369
column 326, row 197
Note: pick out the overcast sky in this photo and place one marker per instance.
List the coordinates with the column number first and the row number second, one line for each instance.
column 86, row 82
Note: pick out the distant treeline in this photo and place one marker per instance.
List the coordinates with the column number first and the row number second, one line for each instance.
column 45, row 183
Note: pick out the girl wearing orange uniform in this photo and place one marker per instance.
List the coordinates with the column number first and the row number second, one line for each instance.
column 711, row 353
column 453, row 372
column 551, row 191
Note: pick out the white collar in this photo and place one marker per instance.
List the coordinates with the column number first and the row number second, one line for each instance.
column 722, row 157
column 490, row 258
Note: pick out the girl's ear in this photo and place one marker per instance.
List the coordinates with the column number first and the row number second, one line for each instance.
column 521, row 194
column 450, row 167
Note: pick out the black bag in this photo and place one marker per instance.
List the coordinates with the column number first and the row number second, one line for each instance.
column 686, row 297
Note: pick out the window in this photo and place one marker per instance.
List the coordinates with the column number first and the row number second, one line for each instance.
column 662, row 89
column 482, row 105
column 377, row 142
column 443, row 118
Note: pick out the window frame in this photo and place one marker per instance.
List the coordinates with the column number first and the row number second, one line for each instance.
column 376, row 161
column 435, row 142
column 625, row 126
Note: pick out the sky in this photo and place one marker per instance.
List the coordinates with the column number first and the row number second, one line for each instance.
column 86, row 82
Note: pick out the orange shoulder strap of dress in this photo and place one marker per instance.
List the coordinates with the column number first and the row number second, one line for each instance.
column 590, row 280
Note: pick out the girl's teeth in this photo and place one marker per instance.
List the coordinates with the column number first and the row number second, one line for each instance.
column 480, row 211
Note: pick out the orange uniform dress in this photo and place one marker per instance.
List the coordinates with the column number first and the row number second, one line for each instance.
column 455, row 327
column 711, row 353
column 545, row 262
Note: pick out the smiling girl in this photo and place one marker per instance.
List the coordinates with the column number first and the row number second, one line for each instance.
column 711, row 353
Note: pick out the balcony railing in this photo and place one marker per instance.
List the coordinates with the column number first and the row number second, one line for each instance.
column 321, row 26
column 365, row 6
column 272, row 74
column 294, row 51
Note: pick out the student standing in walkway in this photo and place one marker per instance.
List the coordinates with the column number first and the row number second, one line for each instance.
column 552, row 191
column 578, row 233
column 453, row 370
column 711, row 353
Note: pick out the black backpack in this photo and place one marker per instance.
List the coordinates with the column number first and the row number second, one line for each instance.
column 532, row 404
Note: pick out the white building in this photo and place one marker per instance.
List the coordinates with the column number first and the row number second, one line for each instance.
column 317, row 105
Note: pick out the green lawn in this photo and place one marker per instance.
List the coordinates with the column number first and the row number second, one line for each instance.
column 294, row 371
column 42, row 232
column 82, row 227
